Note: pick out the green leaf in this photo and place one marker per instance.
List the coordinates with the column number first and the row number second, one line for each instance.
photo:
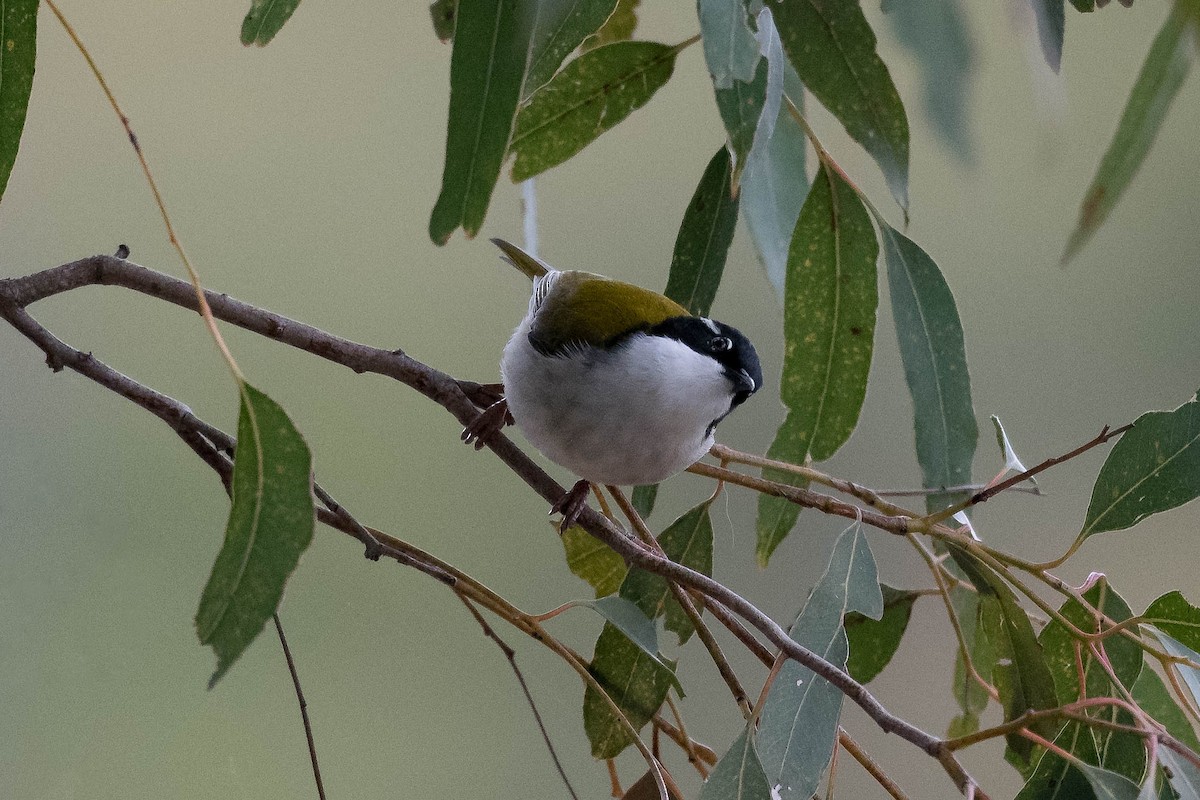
column 442, row 13
column 935, row 33
column 874, row 642
column 1120, row 752
column 19, row 21
column 271, row 521
column 264, row 20
column 586, row 98
column 730, row 50
column 935, row 365
column 561, row 27
column 1152, row 468
column 972, row 697
column 1109, row 785
column 629, row 620
column 799, row 722
column 829, row 329
column 1051, row 25
column 739, row 774
column 1084, row 6
column 594, row 561
column 688, row 540
column 740, row 106
column 635, row 681
column 775, row 181
column 1162, row 74
column 1174, row 615
column 1183, row 774
column 1189, row 674
column 1055, row 778
column 1152, row 697
column 487, row 69
column 777, row 516
column 643, row 499
column 619, row 27
column 833, row 49
column 1021, row 675
column 645, row 788
column 704, row 238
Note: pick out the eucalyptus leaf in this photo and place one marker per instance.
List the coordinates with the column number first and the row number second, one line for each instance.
column 1109, row 785
column 1174, row 615
column 561, row 27
column 739, row 774
column 593, row 560
column 971, row 696
column 799, row 722
column 1183, row 774
column 619, row 26
column 935, row 365
column 1152, row 468
column 935, row 33
column 643, row 498
column 1054, row 777
column 270, row 525
column 777, row 516
column 19, row 18
column 265, row 19
column 874, row 642
column 730, row 50
column 487, row 70
column 704, row 237
column 1051, row 26
column 741, row 106
column 832, row 48
column 442, row 14
column 586, row 98
column 1152, row 696
column 1167, row 64
column 629, row 620
column 1189, row 674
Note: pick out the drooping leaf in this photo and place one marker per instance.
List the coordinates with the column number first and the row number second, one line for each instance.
column 777, row 516
column 832, row 48
column 1109, row 785
column 1117, row 751
column 1162, row 74
column 618, row 28
column 1174, row 615
column 829, row 329
column 594, row 561
column 775, row 182
column 1189, row 674
column 739, row 774
column 1052, row 777
column 935, row 33
column 704, row 238
column 741, row 105
column 561, row 27
column 264, row 19
column 1051, row 25
column 586, row 98
column 635, row 681
column 643, row 499
column 730, row 50
column 689, row 541
column 1183, row 774
column 487, row 69
column 271, row 521
column 442, row 13
column 971, row 696
column 19, row 21
column 1152, row 697
column 799, row 722
column 935, row 365
column 874, row 642
column 1152, row 468
column 629, row 620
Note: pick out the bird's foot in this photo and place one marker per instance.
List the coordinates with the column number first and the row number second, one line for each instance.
column 489, row 422
column 571, row 505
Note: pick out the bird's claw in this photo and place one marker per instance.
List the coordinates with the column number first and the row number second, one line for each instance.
column 489, row 422
column 571, row 505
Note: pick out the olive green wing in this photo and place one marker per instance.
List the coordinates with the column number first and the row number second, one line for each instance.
column 580, row 308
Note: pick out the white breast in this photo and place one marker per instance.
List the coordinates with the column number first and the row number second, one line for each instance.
column 633, row 415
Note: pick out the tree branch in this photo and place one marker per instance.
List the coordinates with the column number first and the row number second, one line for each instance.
column 16, row 293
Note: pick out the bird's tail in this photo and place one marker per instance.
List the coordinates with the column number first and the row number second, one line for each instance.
column 531, row 267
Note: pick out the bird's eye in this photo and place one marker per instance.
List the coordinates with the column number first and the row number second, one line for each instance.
column 719, row 344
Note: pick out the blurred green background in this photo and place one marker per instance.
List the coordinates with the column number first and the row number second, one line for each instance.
column 301, row 178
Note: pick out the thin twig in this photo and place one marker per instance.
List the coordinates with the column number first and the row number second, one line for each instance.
column 852, row 747
column 511, row 655
column 308, row 732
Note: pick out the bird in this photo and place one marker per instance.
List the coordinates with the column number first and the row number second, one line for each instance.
column 618, row 384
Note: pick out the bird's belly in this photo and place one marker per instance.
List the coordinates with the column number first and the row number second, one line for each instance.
column 606, row 422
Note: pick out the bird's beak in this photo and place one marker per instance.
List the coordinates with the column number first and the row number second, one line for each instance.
column 743, row 384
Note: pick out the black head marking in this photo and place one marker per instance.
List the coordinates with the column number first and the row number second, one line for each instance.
column 721, row 342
